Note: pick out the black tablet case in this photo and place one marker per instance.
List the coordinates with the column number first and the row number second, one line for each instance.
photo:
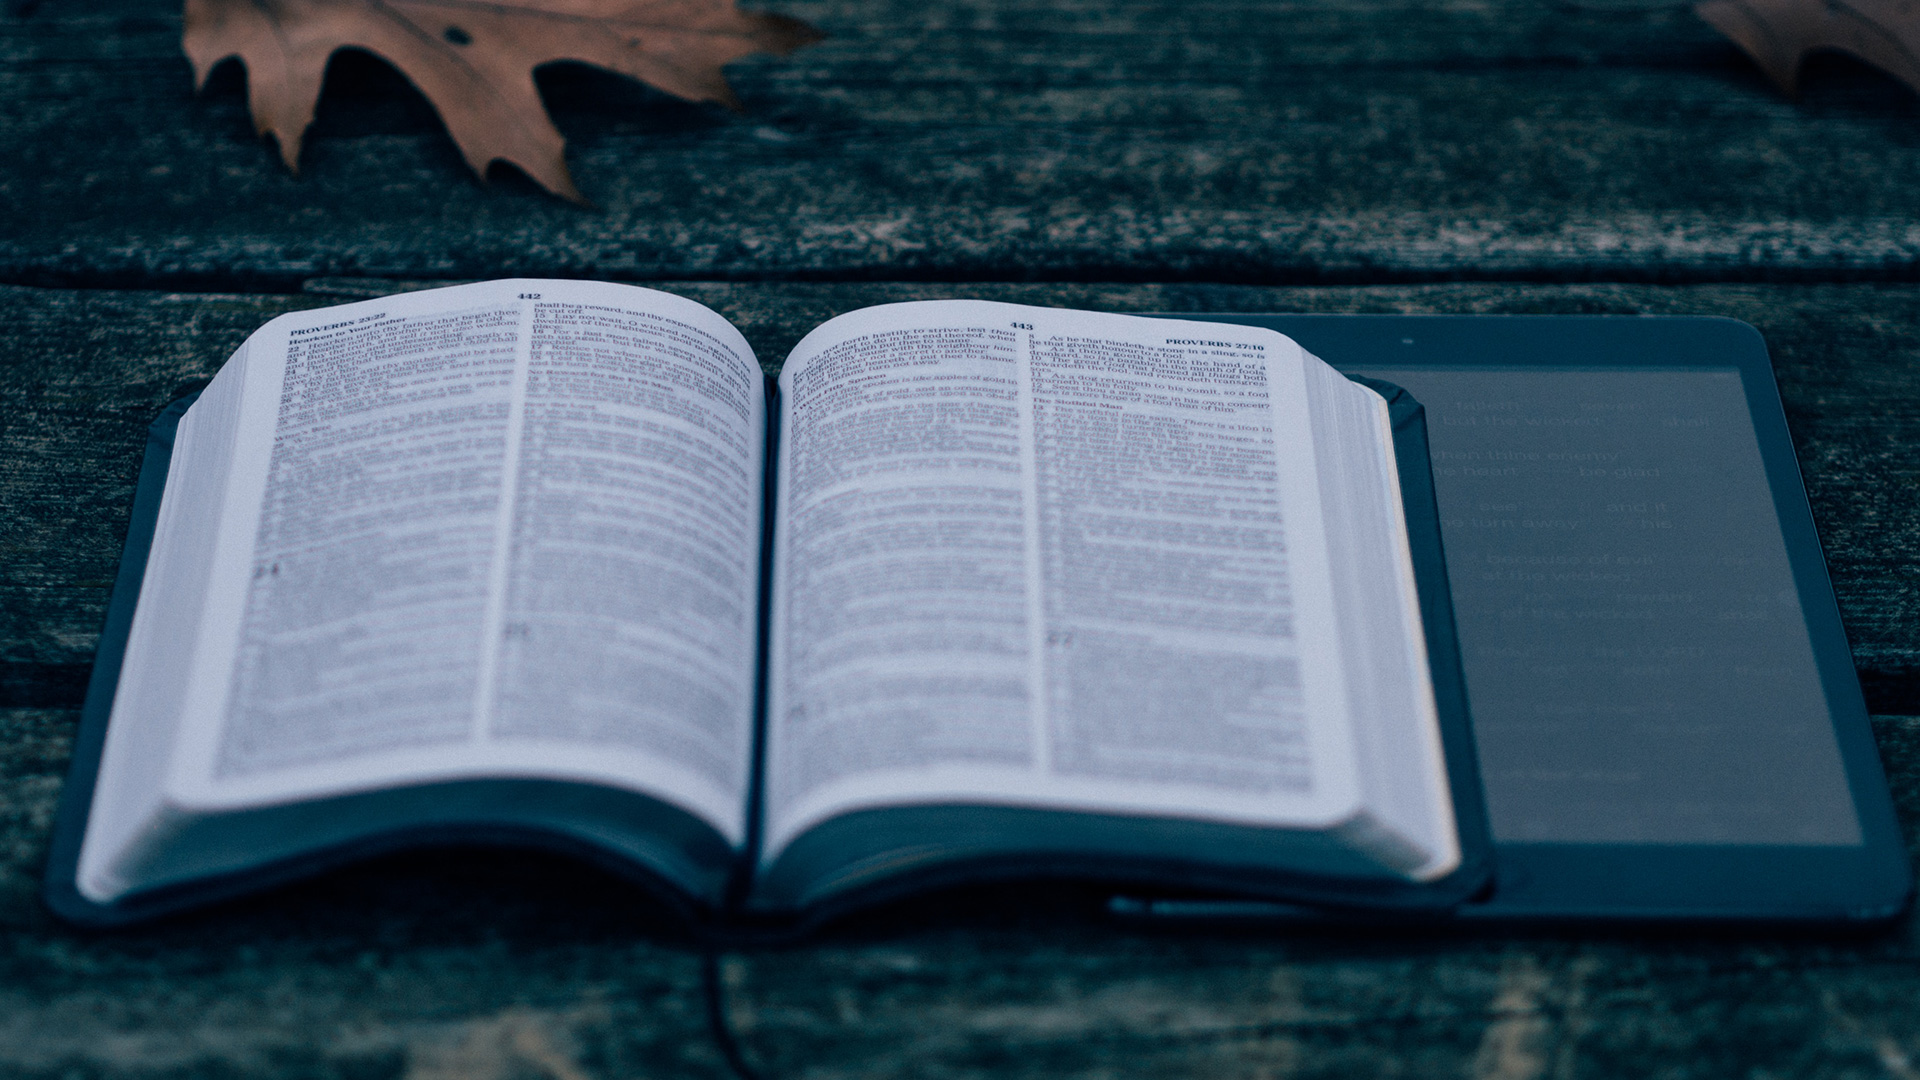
column 1401, row 899
column 1774, row 883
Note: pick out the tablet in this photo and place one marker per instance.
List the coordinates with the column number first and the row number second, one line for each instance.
column 1666, row 713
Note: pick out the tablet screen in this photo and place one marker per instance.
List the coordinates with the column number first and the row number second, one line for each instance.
column 1634, row 647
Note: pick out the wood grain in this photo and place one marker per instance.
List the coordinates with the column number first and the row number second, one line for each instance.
column 1232, row 140
column 499, row 966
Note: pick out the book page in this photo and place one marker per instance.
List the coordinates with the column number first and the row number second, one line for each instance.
column 148, row 712
column 1382, row 638
column 632, row 602
column 362, row 625
column 1039, row 557
column 504, row 529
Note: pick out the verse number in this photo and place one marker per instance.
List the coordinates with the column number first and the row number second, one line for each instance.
column 529, row 296
column 1023, row 326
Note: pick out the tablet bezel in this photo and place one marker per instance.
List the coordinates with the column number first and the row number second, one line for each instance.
column 1672, row 881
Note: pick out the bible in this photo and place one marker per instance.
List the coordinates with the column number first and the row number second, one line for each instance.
column 975, row 591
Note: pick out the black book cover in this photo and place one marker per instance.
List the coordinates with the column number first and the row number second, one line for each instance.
column 62, row 895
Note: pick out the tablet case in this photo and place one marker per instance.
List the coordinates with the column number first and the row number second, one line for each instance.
column 1854, row 886
column 1828, row 885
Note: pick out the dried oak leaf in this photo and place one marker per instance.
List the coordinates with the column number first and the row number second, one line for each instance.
column 1779, row 33
column 474, row 60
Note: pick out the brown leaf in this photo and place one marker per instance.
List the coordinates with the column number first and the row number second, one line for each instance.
column 474, row 60
column 1779, row 33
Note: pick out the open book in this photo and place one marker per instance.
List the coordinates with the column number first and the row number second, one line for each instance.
column 982, row 590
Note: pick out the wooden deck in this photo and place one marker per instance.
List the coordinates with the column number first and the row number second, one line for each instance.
column 1317, row 155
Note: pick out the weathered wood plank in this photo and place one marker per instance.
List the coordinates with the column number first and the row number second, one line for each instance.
column 499, row 967
column 84, row 371
column 1318, row 140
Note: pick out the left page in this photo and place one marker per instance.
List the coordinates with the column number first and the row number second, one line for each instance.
column 500, row 530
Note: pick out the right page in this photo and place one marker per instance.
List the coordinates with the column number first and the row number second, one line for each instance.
column 1050, row 559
